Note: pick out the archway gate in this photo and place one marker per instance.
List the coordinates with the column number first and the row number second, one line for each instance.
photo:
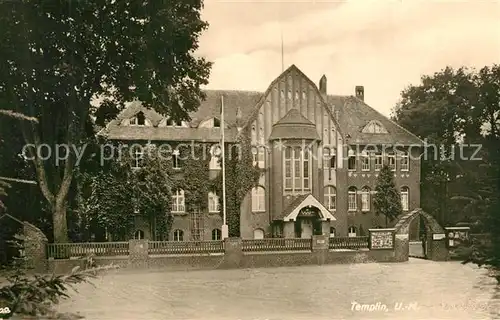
column 435, row 236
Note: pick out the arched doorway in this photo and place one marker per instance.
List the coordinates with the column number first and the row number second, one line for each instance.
column 258, row 234
column 139, row 235
column 308, row 222
column 433, row 239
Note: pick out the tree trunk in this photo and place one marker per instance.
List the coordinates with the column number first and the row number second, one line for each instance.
column 60, row 223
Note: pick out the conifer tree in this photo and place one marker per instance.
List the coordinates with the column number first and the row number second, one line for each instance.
column 387, row 200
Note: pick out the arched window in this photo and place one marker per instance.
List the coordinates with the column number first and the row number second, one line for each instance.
column 178, row 201
column 391, row 161
column 365, row 199
column 330, row 201
column 352, row 232
column 329, row 158
column 213, row 202
column 139, row 235
column 258, row 234
column 178, row 235
column 351, row 199
column 332, row 232
column 351, row 160
column 405, row 162
column 405, row 198
column 365, row 161
column 259, row 155
column 215, row 154
column 216, row 234
column 258, row 199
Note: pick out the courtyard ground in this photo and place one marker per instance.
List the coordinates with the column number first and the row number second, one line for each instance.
column 427, row 290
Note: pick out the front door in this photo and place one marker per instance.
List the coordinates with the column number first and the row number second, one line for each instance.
column 307, row 229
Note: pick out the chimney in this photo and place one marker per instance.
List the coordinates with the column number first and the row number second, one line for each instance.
column 322, row 85
column 360, row 93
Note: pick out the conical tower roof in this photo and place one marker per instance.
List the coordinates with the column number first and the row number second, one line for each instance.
column 294, row 126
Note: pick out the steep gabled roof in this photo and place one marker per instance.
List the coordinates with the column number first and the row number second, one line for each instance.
column 283, row 75
column 209, row 108
column 354, row 114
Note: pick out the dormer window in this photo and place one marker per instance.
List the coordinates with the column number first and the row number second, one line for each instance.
column 374, row 126
column 173, row 123
column 216, row 123
column 141, row 119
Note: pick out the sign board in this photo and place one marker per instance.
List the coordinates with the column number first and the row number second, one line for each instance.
column 320, row 241
column 403, row 236
column 381, row 240
column 438, row 236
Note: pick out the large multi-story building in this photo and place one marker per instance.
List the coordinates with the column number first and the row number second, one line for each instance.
column 325, row 187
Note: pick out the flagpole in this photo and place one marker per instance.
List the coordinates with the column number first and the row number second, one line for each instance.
column 225, row 228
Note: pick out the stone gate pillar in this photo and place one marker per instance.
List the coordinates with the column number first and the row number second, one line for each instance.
column 35, row 248
column 436, row 247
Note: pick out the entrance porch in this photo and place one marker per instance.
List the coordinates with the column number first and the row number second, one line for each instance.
column 305, row 217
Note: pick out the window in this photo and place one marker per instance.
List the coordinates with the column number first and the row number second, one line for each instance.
column 330, row 198
column 259, row 155
column 215, row 155
column 174, row 123
column 216, row 123
column 391, row 161
column 374, row 126
column 351, row 232
column 139, row 235
column 141, row 119
column 258, row 199
column 258, row 234
column 351, row 161
column 365, row 162
column 216, row 234
column 138, row 158
column 213, row 202
column 176, row 159
column 297, row 169
column 365, row 199
column 178, row 235
column 178, row 201
column 138, row 120
column 332, row 232
column 378, row 161
column 329, row 158
column 405, row 197
column 405, row 162
column 196, row 225
column 351, row 199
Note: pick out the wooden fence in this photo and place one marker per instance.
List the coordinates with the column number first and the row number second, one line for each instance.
column 72, row 250
column 114, row 249
column 188, row 247
column 352, row 243
column 276, row 244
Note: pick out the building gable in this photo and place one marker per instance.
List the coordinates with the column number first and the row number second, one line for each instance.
column 293, row 90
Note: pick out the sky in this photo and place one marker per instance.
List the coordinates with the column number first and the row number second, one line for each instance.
column 382, row 45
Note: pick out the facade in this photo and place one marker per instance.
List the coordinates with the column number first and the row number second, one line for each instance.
column 322, row 154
